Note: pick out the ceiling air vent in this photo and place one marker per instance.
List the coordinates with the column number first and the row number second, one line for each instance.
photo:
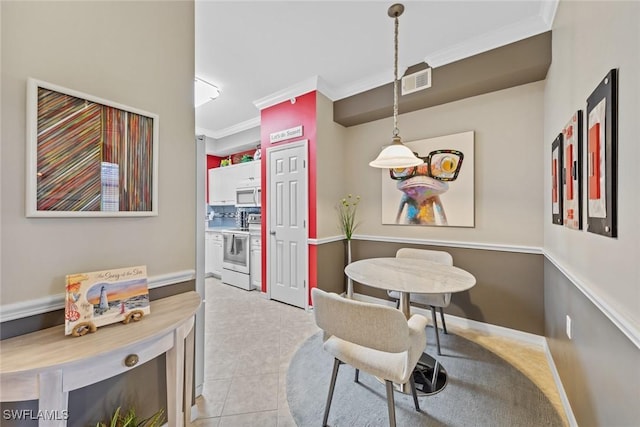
column 416, row 81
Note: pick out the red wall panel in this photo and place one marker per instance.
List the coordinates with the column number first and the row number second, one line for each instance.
column 279, row 117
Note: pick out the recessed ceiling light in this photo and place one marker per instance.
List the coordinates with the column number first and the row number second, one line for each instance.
column 204, row 92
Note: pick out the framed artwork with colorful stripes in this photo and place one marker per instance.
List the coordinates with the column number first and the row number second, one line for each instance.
column 87, row 156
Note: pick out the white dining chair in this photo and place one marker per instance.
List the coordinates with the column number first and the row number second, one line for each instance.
column 431, row 301
column 370, row 337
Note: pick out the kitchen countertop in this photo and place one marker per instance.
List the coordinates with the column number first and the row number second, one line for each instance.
column 221, row 229
column 218, row 229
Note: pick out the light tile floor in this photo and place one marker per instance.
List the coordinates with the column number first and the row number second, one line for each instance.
column 250, row 340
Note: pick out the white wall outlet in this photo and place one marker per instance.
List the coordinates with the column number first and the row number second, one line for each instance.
column 569, row 326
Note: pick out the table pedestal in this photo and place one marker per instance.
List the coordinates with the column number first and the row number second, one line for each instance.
column 426, row 382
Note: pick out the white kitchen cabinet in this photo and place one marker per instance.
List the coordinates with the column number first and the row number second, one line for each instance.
column 216, row 251
column 222, row 190
column 223, row 181
column 256, row 262
column 208, row 252
column 213, row 253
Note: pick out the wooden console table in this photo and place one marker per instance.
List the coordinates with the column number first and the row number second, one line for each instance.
column 46, row 365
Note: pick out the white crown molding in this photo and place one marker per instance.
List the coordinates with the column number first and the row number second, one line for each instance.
column 365, row 84
column 452, row 244
column 548, row 9
column 491, row 40
column 625, row 325
column 231, row 130
column 33, row 307
column 326, row 89
column 305, row 86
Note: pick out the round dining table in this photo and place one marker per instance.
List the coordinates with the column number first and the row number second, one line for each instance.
column 407, row 276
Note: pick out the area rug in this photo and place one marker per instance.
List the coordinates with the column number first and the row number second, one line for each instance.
column 482, row 390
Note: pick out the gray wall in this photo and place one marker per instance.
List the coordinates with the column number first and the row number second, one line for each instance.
column 332, row 258
column 139, row 54
column 599, row 365
column 508, row 291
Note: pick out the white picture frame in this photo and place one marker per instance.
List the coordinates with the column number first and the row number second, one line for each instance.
column 87, row 156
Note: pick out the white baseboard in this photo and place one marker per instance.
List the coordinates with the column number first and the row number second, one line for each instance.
column 486, row 328
column 194, row 413
column 563, row 395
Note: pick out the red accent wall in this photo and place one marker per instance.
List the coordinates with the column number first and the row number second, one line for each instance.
column 276, row 118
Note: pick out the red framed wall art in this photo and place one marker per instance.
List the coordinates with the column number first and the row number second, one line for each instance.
column 602, row 147
column 556, row 180
column 572, row 172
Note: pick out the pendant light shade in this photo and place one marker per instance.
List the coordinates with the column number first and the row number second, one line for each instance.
column 396, row 155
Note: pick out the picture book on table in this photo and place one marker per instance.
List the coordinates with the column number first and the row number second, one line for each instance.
column 103, row 297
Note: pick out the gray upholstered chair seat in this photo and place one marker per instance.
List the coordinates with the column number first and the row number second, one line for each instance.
column 370, row 337
column 396, row 367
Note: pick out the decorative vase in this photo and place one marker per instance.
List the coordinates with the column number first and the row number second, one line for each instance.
column 349, row 281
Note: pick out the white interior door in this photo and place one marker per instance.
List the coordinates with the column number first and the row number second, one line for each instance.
column 287, row 221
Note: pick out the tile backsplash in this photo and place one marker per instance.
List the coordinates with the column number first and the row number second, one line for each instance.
column 226, row 216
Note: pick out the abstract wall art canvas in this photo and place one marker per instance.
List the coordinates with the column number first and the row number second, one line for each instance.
column 556, row 180
column 87, row 156
column 439, row 192
column 602, row 147
column 572, row 172
column 103, row 297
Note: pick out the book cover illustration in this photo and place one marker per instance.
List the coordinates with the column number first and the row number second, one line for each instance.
column 103, row 297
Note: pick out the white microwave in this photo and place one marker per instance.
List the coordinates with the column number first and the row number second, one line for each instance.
column 248, row 194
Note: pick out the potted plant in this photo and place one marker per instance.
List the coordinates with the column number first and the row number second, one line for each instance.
column 130, row 419
column 347, row 209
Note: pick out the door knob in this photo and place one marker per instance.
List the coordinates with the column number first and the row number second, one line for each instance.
column 273, row 233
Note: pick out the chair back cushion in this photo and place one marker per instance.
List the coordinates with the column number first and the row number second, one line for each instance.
column 441, row 257
column 369, row 325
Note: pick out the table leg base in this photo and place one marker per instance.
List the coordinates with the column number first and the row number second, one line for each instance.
column 423, row 375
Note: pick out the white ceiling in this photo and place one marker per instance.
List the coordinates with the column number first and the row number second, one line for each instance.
column 259, row 51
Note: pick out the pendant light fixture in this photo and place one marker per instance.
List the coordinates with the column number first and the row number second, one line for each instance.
column 396, row 155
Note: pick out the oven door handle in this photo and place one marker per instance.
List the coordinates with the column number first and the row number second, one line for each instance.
column 232, row 249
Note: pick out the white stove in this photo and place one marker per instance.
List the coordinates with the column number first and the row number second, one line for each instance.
column 235, row 258
column 236, row 250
